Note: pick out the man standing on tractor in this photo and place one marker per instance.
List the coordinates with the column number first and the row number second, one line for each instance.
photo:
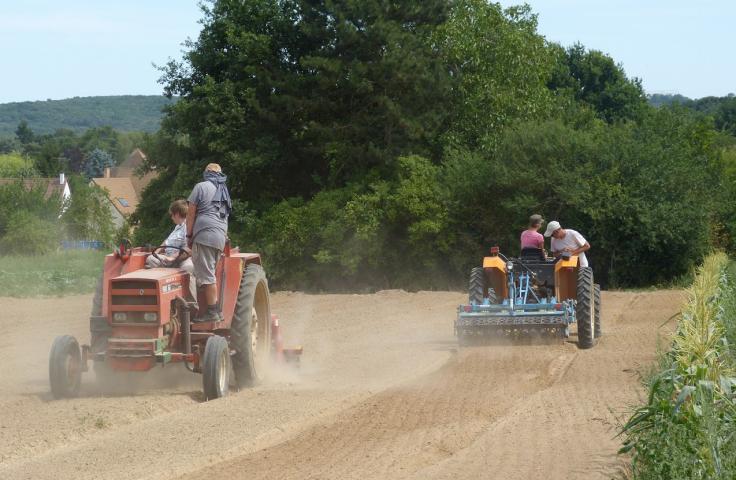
column 567, row 240
column 209, row 208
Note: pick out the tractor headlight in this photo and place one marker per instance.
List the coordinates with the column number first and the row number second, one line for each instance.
column 510, row 266
column 150, row 317
column 120, row 316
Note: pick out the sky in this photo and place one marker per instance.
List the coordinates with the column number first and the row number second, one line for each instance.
column 61, row 49
column 54, row 50
column 673, row 46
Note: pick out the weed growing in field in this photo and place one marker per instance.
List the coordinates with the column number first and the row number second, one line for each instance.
column 101, row 422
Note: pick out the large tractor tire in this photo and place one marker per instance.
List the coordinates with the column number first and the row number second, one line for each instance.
column 585, row 308
column 598, row 332
column 65, row 367
column 216, row 368
column 476, row 286
column 250, row 333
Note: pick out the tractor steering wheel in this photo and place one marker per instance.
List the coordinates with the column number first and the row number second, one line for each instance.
column 176, row 261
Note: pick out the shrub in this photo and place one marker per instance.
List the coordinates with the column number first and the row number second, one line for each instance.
column 15, row 165
column 28, row 234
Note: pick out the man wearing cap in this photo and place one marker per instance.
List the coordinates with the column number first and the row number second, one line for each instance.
column 209, row 208
column 567, row 240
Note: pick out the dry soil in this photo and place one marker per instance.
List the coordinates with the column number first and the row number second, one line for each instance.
column 383, row 391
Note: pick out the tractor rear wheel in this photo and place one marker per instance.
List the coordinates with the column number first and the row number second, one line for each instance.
column 250, row 333
column 216, row 368
column 477, row 286
column 598, row 331
column 585, row 308
column 65, row 367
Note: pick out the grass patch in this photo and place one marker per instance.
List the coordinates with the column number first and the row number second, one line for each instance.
column 57, row 274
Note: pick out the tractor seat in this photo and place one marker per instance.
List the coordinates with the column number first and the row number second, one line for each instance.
column 532, row 255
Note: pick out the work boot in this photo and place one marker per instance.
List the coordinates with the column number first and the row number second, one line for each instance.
column 212, row 314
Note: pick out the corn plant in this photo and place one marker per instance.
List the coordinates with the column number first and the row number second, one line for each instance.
column 687, row 428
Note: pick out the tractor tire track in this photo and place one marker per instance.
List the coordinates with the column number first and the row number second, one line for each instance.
column 425, row 421
column 520, row 412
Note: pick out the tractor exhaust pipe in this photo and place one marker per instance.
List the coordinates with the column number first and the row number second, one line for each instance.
column 186, row 330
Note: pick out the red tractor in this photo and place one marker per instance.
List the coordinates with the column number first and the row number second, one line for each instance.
column 141, row 318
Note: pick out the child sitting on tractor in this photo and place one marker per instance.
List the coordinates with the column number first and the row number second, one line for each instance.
column 174, row 249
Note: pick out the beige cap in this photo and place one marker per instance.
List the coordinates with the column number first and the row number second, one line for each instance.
column 551, row 227
column 213, row 167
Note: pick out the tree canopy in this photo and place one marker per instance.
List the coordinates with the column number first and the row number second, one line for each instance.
column 389, row 144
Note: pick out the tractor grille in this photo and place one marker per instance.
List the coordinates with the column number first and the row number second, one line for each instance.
column 134, row 292
column 133, row 299
column 133, row 285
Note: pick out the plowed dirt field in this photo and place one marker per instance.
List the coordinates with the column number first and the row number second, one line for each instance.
column 382, row 392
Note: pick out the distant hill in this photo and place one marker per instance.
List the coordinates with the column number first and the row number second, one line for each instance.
column 721, row 109
column 659, row 99
column 124, row 113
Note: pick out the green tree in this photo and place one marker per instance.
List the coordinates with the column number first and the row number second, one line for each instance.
column 501, row 65
column 594, row 79
column 325, row 91
column 48, row 152
column 16, row 197
column 16, row 165
column 24, row 133
column 9, row 145
column 96, row 162
column 102, row 138
column 87, row 215
column 28, row 234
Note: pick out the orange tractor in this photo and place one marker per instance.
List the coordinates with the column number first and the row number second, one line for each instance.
column 141, row 319
column 512, row 296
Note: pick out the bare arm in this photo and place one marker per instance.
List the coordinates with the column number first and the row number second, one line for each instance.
column 191, row 218
column 579, row 250
column 582, row 249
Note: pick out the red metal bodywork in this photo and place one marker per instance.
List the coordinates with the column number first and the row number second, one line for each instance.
column 128, row 288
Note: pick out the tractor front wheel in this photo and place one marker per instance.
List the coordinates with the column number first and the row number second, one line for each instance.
column 216, row 368
column 65, row 367
column 585, row 308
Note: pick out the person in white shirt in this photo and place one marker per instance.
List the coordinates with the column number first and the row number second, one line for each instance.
column 567, row 240
column 177, row 238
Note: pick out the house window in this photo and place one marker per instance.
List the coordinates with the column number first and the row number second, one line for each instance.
column 123, row 202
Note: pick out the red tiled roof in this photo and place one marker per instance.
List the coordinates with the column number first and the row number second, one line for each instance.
column 121, row 193
column 50, row 186
column 128, row 169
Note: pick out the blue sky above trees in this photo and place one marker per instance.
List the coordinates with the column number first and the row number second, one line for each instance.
column 82, row 48
column 674, row 46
